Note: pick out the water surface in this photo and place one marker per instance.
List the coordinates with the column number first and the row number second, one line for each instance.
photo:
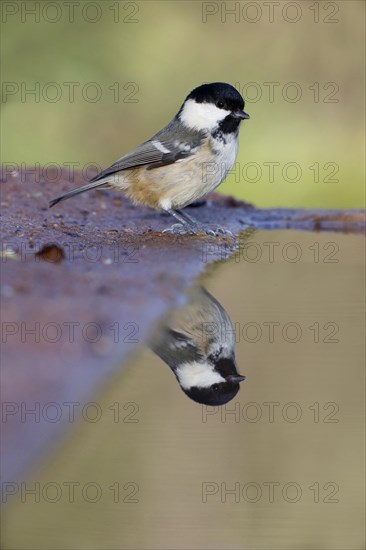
column 279, row 467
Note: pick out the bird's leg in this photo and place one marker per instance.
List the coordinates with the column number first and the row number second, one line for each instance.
column 184, row 223
column 190, row 224
column 200, row 227
column 196, row 226
column 183, row 219
column 190, row 221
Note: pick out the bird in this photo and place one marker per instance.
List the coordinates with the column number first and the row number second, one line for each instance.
column 183, row 162
column 197, row 341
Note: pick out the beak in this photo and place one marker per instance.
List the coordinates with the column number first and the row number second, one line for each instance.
column 236, row 378
column 241, row 114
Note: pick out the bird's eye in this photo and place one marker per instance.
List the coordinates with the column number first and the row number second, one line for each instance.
column 215, row 387
column 220, row 104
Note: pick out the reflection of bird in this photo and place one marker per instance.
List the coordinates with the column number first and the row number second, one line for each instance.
column 183, row 162
column 197, row 341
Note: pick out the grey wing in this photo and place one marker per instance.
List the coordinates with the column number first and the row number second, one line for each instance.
column 175, row 347
column 163, row 148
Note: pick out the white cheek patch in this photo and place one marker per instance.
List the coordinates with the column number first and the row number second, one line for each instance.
column 160, row 146
column 199, row 375
column 202, row 116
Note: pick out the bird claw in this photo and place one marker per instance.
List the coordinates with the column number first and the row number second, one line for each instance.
column 223, row 231
column 216, row 232
column 210, row 232
column 200, row 228
column 179, row 229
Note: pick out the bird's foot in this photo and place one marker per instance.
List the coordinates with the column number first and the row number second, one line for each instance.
column 180, row 229
column 216, row 231
column 222, row 231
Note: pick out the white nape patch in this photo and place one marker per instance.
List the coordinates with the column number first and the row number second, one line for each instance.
column 202, row 116
column 183, row 146
column 165, row 204
column 199, row 375
column 160, row 146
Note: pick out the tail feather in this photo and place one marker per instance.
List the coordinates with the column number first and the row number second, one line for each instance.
column 73, row 192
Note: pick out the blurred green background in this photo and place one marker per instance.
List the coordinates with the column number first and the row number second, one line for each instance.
column 164, row 49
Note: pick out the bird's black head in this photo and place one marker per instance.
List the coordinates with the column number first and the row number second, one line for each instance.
column 213, row 382
column 224, row 96
column 211, row 105
column 215, row 395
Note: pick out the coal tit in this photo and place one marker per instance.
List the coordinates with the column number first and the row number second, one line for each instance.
column 184, row 161
column 197, row 341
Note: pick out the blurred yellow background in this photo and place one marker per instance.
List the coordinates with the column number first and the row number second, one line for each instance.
column 107, row 75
